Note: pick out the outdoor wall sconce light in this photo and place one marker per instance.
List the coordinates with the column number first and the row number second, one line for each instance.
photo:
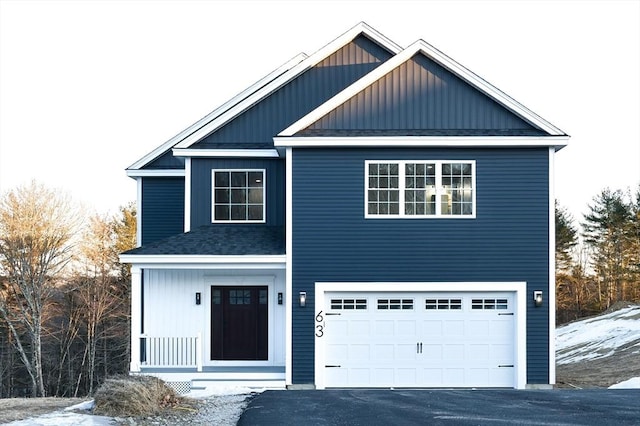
column 279, row 298
column 303, row 299
column 198, row 298
column 537, row 298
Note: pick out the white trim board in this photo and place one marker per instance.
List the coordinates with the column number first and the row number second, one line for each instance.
column 518, row 287
column 156, row 173
column 216, row 112
column 551, row 289
column 253, row 153
column 425, row 48
column 557, row 142
column 288, row 281
column 213, row 261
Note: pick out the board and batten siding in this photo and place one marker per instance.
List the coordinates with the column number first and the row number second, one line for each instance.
column 162, row 208
column 300, row 96
column 506, row 242
column 202, row 190
column 170, row 309
column 421, row 94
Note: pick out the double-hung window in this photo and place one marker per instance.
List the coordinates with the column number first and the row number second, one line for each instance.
column 419, row 189
column 238, row 196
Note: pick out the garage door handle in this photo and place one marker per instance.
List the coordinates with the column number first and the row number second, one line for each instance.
column 418, row 348
column 510, row 313
column 333, row 366
column 505, row 366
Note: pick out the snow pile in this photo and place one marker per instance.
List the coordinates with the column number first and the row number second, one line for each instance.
column 598, row 337
column 66, row 417
column 633, row 383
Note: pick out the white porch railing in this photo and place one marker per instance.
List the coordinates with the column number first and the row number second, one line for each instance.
column 168, row 352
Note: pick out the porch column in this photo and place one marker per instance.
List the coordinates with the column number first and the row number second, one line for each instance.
column 136, row 319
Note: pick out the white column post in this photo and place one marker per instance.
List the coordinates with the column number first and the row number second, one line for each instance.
column 288, row 294
column 199, row 351
column 136, row 320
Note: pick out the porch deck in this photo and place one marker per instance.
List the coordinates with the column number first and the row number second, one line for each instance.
column 188, row 379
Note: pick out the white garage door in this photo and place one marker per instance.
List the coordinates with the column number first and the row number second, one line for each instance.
column 424, row 339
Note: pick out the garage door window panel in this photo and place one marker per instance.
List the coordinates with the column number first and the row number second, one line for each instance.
column 395, row 304
column 349, row 304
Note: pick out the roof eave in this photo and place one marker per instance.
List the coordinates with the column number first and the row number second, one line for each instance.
column 558, row 142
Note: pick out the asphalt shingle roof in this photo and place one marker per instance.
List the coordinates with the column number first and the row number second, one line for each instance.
column 220, row 240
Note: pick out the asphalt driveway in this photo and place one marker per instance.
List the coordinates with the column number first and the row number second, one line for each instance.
column 444, row 407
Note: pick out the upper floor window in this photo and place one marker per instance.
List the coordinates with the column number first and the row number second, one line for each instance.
column 238, row 196
column 412, row 189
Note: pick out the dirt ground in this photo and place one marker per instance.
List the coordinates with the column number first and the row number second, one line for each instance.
column 601, row 373
column 22, row 408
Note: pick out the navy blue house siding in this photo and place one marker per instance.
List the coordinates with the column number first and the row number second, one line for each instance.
column 507, row 241
column 162, row 208
column 201, row 190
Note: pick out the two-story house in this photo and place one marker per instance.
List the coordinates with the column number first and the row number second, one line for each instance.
column 365, row 216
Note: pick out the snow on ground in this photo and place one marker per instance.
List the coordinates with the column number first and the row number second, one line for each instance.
column 633, row 383
column 600, row 337
column 71, row 416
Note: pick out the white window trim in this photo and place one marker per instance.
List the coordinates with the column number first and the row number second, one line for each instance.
column 264, row 195
column 401, row 176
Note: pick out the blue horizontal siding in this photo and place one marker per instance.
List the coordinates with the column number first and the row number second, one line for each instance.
column 201, row 189
column 507, row 241
column 162, row 207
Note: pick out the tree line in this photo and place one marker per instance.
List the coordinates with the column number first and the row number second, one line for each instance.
column 598, row 261
column 64, row 297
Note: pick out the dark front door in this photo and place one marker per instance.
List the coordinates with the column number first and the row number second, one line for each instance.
column 239, row 319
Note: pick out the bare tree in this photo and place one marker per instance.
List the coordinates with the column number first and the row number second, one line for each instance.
column 36, row 229
column 96, row 289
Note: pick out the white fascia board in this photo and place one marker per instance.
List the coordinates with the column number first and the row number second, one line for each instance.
column 280, row 81
column 171, row 261
column 156, row 173
column 253, row 153
column 216, row 112
column 442, row 59
column 422, row 141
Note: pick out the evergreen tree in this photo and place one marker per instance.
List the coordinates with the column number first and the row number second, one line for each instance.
column 566, row 238
column 604, row 229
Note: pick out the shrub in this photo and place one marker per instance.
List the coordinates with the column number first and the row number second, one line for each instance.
column 134, row 396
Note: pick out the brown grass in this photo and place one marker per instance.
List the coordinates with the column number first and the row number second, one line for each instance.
column 134, row 396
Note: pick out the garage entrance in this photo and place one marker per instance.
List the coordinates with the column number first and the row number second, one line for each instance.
column 418, row 339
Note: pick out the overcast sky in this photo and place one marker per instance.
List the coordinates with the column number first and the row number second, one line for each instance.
column 89, row 87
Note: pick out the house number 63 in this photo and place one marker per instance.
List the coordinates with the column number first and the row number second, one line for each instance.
column 319, row 324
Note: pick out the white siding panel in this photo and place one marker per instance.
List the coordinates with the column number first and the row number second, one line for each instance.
column 170, row 308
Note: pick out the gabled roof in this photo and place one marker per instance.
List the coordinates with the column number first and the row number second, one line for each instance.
column 419, row 47
column 261, row 89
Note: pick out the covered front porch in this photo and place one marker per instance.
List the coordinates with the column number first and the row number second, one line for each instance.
column 209, row 325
